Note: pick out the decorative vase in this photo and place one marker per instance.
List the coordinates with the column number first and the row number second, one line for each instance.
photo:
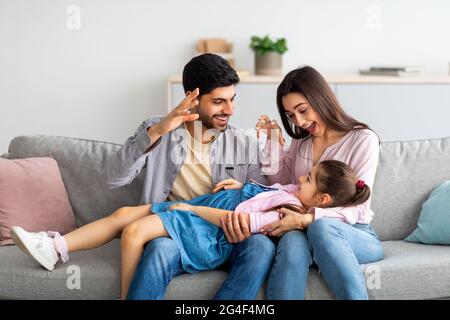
column 268, row 64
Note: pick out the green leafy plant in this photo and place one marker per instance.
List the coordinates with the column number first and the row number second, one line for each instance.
column 266, row 44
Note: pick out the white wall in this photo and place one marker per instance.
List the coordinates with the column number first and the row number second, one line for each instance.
column 101, row 81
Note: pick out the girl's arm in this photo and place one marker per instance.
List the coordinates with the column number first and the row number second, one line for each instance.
column 212, row 215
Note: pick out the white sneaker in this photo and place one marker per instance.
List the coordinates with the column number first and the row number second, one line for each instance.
column 37, row 245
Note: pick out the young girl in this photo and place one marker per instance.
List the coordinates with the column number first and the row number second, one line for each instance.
column 194, row 224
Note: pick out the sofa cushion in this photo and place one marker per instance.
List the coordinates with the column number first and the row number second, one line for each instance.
column 407, row 173
column 434, row 221
column 33, row 196
column 412, row 271
column 81, row 162
column 203, row 286
column 98, row 271
column 409, row 271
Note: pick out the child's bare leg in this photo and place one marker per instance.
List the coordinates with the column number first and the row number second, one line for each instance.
column 134, row 237
column 104, row 230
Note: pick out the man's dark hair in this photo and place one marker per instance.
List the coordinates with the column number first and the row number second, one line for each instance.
column 208, row 72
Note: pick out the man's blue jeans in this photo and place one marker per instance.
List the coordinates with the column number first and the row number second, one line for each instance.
column 248, row 264
column 337, row 248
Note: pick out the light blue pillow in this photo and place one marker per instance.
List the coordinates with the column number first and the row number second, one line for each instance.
column 433, row 226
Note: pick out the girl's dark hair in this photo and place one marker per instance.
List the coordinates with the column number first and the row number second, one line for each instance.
column 340, row 181
column 310, row 83
column 208, row 72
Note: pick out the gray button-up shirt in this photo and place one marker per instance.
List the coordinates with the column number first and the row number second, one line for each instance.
column 234, row 154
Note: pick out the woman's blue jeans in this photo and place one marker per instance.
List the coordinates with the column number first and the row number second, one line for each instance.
column 337, row 248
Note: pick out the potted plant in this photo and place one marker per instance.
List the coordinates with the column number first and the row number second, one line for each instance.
column 268, row 54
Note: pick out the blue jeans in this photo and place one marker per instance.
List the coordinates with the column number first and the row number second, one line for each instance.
column 248, row 264
column 337, row 248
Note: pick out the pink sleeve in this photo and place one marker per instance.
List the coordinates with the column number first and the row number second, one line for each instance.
column 260, row 219
column 277, row 163
column 364, row 162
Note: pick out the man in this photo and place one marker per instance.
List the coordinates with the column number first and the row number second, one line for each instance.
column 183, row 163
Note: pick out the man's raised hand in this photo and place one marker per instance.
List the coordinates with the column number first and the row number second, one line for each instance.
column 178, row 115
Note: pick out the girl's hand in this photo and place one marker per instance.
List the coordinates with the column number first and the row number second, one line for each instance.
column 182, row 207
column 227, row 185
column 269, row 127
column 290, row 220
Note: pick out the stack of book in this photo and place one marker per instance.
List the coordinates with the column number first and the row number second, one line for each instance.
column 397, row 71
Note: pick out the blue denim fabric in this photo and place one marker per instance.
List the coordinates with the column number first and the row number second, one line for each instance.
column 203, row 245
column 336, row 248
column 248, row 265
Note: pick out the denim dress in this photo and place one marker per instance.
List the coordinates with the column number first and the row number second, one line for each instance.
column 203, row 245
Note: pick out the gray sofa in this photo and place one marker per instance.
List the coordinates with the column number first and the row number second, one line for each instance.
column 407, row 173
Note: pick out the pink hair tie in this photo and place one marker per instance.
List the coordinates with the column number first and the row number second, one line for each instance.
column 360, row 184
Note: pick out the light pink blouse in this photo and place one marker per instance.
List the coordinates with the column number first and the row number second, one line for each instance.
column 257, row 206
column 358, row 148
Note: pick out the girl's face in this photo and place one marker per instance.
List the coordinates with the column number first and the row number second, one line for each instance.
column 308, row 189
column 300, row 112
column 308, row 193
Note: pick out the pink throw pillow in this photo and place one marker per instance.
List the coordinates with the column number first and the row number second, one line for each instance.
column 33, row 196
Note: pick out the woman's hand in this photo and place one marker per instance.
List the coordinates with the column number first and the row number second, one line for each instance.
column 269, row 127
column 290, row 220
column 227, row 185
column 235, row 227
column 182, row 207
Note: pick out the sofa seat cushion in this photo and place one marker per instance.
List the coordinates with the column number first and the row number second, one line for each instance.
column 22, row 278
column 409, row 271
column 413, row 271
column 204, row 285
column 98, row 269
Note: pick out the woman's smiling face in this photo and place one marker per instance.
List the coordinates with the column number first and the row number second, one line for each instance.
column 300, row 112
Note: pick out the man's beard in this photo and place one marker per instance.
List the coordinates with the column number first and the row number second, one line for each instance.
column 208, row 122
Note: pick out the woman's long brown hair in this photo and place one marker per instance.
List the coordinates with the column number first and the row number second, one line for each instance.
column 310, row 83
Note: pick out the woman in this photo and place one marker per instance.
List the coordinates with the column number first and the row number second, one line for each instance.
column 336, row 239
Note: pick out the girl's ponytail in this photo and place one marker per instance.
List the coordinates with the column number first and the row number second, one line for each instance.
column 362, row 193
column 340, row 181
